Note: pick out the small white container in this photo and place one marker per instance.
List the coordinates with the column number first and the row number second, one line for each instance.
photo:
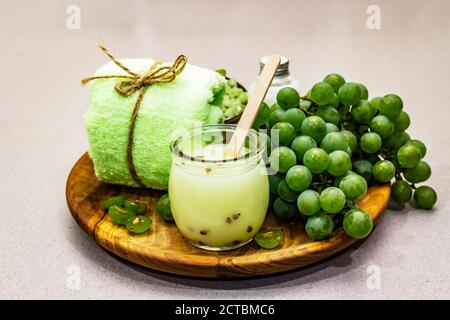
column 282, row 79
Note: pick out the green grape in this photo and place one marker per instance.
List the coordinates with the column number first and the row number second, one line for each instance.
column 370, row 142
column 120, row 215
column 332, row 200
column 288, row 98
column 335, row 101
column 354, row 187
column 363, row 168
column 409, row 156
column 329, row 114
column 383, row 171
column 335, row 80
column 331, row 127
column 275, row 106
column 419, row 173
column 349, row 94
column 286, row 193
column 295, row 117
column 286, row 132
column 305, row 104
column 269, row 238
column 357, row 223
column 401, row 191
column 274, row 180
column 263, row 116
column 114, row 201
column 339, row 163
column 375, row 102
column 349, row 151
column 163, row 208
column 425, row 197
column 383, row 126
column 337, row 180
column 314, row 127
column 301, row 144
column 276, row 116
column 419, row 144
column 334, row 141
column 319, row 227
column 397, row 140
column 282, row 159
column 298, row 178
column 402, row 138
column 351, row 139
column 364, row 91
column 138, row 224
column 316, row 160
column 390, row 106
column 308, row 203
column 322, row 93
column 363, row 112
column 402, row 122
column 283, row 209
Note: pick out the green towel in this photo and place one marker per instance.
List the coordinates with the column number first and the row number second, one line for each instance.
column 165, row 109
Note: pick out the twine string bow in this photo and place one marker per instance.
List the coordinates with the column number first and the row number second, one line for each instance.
column 134, row 82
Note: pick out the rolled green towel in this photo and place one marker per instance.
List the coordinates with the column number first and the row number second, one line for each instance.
column 165, row 108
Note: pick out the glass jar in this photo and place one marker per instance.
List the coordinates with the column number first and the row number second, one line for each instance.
column 281, row 79
column 218, row 202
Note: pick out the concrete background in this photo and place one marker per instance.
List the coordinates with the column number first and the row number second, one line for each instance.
column 42, row 135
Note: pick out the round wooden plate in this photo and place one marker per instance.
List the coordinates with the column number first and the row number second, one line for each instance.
column 163, row 248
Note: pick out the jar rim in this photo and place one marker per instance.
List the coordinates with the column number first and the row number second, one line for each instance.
column 254, row 151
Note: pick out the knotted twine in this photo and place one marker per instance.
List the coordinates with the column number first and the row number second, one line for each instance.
column 135, row 82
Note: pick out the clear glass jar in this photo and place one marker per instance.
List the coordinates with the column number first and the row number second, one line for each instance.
column 218, row 202
column 281, row 79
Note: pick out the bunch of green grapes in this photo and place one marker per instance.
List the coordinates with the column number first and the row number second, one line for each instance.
column 332, row 144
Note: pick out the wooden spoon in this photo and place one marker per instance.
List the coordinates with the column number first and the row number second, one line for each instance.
column 252, row 108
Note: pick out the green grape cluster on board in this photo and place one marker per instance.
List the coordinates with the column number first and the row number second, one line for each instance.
column 332, row 144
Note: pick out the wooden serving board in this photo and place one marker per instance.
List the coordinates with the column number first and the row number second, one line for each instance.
column 164, row 249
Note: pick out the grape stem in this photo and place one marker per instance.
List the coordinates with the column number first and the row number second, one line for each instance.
column 306, row 98
column 307, row 111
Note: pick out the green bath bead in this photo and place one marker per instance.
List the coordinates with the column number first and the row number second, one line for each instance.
column 114, row 201
column 135, row 206
column 138, row 224
column 269, row 238
column 163, row 208
column 120, row 215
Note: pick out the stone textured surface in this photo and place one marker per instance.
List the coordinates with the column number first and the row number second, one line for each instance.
column 42, row 135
